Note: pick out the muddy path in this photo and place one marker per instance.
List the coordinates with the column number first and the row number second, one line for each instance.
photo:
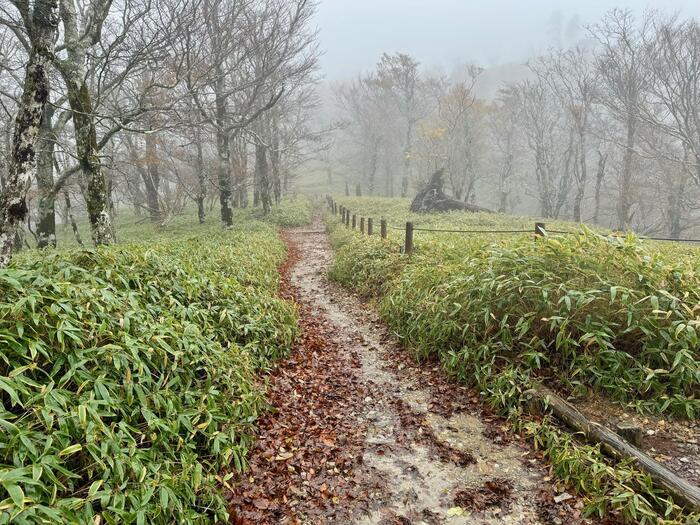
column 362, row 434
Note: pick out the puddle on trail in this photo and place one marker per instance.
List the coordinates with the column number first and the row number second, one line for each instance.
column 404, row 433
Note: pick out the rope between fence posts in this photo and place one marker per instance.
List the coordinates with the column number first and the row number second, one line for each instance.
column 433, row 230
column 469, row 231
column 558, row 232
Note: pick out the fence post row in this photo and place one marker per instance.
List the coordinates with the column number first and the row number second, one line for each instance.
column 408, row 245
column 540, row 227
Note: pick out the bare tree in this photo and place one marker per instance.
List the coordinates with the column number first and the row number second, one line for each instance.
column 399, row 77
column 573, row 78
column 503, row 121
column 41, row 23
column 541, row 120
column 673, row 48
column 623, row 68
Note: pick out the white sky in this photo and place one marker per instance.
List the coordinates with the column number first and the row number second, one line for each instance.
column 444, row 33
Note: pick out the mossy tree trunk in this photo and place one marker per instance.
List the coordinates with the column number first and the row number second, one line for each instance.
column 46, row 221
column 96, row 195
column 13, row 200
column 72, row 68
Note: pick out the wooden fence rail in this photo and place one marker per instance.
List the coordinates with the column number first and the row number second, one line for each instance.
column 366, row 226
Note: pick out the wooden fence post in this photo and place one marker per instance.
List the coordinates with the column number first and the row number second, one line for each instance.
column 335, row 208
column 354, row 221
column 382, row 227
column 369, row 226
column 362, row 225
column 408, row 244
column 540, row 229
column 347, row 218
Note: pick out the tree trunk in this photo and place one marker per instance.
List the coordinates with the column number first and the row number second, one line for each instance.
column 372, row 175
column 624, row 203
column 276, row 174
column 71, row 218
column 600, row 175
column 46, row 221
column 13, row 205
column 240, row 173
column 503, row 190
column 275, row 160
column 201, row 179
column 406, row 162
column 224, row 167
column 151, row 178
column 256, row 188
column 285, row 184
column 96, row 196
column 577, row 204
column 262, row 171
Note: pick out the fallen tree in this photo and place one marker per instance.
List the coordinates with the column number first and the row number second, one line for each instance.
column 433, row 198
column 682, row 492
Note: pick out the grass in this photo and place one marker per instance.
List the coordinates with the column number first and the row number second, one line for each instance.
column 584, row 312
column 130, row 375
column 131, row 228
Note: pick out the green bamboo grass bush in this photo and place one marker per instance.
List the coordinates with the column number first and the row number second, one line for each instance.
column 585, row 311
column 128, row 376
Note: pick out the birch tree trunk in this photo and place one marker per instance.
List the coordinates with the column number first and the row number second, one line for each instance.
column 13, row 201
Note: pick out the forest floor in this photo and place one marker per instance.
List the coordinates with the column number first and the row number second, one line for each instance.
column 361, row 433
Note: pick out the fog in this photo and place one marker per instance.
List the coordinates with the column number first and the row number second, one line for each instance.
column 354, row 33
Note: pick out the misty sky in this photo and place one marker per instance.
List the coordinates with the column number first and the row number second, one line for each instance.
column 445, row 33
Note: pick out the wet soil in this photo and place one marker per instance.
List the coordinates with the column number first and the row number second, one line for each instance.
column 362, row 434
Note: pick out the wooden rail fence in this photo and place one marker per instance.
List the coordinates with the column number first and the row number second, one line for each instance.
column 351, row 221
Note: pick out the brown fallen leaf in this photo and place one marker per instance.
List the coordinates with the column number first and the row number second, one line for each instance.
column 261, row 503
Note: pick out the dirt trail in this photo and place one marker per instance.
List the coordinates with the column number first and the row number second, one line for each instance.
column 413, row 448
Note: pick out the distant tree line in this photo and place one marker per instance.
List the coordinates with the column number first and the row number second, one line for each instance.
column 149, row 105
column 607, row 131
